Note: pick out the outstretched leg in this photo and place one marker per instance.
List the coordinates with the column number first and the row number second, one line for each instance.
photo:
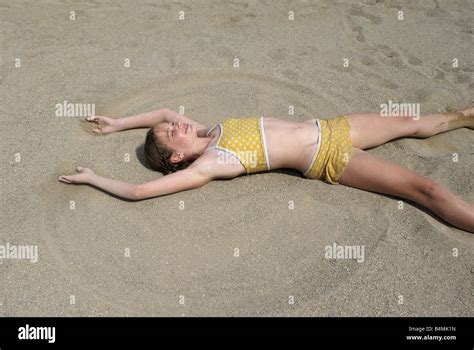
column 369, row 130
column 369, row 173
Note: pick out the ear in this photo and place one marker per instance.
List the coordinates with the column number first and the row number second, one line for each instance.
column 176, row 157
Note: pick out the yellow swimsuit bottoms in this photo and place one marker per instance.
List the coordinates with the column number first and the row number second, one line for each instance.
column 245, row 140
column 333, row 151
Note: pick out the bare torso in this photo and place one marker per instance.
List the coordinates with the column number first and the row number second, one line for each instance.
column 289, row 144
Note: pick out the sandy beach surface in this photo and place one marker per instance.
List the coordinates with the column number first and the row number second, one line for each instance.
column 235, row 247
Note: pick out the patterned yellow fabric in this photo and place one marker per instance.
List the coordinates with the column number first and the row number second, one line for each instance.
column 243, row 138
column 335, row 150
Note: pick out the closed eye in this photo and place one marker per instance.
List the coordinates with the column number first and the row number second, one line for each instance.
column 172, row 133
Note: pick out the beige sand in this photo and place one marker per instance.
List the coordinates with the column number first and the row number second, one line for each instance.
column 190, row 252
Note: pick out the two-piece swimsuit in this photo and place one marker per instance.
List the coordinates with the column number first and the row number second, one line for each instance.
column 244, row 139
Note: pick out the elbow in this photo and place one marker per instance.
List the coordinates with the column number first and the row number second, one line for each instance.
column 164, row 111
column 138, row 193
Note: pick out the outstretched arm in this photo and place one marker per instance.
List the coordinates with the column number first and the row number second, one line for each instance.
column 106, row 125
column 143, row 120
column 187, row 179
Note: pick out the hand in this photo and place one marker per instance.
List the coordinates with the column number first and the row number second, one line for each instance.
column 105, row 125
column 85, row 175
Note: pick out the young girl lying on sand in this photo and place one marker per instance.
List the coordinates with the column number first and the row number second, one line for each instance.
column 331, row 150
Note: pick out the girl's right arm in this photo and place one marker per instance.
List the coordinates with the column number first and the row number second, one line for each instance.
column 107, row 125
column 142, row 120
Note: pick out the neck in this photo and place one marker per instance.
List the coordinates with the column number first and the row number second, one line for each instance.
column 201, row 144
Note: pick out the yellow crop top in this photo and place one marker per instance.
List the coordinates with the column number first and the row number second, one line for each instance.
column 245, row 140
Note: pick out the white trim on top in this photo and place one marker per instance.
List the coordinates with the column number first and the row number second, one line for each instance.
column 220, row 135
column 224, row 149
column 221, row 131
column 211, row 129
column 317, row 148
column 262, row 130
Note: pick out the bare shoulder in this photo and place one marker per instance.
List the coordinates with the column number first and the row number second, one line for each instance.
column 214, row 166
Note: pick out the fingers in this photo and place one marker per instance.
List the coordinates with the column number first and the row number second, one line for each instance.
column 104, row 125
column 65, row 179
column 71, row 179
column 99, row 123
column 95, row 119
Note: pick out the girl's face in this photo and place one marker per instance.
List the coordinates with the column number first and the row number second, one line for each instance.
column 177, row 136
